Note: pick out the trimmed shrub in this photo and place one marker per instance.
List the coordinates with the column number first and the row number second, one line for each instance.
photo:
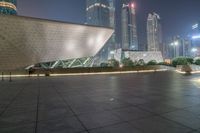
column 152, row 62
column 190, row 60
column 141, row 62
column 161, row 63
column 113, row 63
column 127, row 62
column 104, row 64
column 180, row 61
column 197, row 62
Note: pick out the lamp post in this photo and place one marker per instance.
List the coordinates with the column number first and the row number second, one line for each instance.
column 194, row 51
column 175, row 44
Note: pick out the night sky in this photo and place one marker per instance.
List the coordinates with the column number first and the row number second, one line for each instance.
column 177, row 15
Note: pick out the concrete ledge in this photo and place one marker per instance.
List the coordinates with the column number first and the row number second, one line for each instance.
column 79, row 74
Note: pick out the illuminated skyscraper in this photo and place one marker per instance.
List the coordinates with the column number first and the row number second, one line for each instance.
column 112, row 41
column 195, row 39
column 98, row 13
column 8, row 7
column 129, row 28
column 154, row 33
column 102, row 13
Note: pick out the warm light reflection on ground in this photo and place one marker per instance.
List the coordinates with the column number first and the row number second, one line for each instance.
column 196, row 82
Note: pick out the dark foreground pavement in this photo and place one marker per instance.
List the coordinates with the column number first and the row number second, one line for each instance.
column 163, row 102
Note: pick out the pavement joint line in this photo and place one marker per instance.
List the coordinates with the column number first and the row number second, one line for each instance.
column 193, row 131
column 117, row 123
column 11, row 101
column 158, row 114
column 161, row 115
column 37, row 111
column 68, row 105
column 175, row 122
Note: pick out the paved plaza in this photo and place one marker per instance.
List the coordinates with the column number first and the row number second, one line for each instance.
column 161, row 102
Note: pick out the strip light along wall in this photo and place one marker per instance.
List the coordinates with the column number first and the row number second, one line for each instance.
column 8, row 5
column 97, row 5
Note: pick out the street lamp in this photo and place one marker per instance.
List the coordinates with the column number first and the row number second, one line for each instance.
column 194, row 51
column 175, row 44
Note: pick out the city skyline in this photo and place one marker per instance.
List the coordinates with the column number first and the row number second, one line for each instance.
column 176, row 24
column 83, row 66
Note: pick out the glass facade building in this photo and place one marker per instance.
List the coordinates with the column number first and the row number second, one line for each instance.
column 8, row 7
column 195, row 37
column 129, row 28
column 102, row 13
column 98, row 12
column 154, row 33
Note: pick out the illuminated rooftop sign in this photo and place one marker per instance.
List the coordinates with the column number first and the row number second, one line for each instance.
column 195, row 26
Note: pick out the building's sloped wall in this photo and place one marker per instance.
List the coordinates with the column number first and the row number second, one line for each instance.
column 26, row 41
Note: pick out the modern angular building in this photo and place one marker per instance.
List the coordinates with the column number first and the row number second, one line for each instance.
column 129, row 28
column 27, row 41
column 8, row 7
column 154, row 33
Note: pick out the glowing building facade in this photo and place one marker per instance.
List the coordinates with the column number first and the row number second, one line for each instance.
column 129, row 28
column 8, row 7
column 102, row 13
column 196, row 40
column 98, row 12
column 154, row 33
column 26, row 41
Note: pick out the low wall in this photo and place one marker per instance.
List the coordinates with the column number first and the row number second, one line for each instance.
column 94, row 70
column 193, row 67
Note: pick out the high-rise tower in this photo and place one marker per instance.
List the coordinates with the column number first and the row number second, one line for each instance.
column 102, row 13
column 98, row 12
column 8, row 7
column 112, row 41
column 129, row 28
column 154, row 33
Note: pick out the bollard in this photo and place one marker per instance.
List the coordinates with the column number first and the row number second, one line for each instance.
column 2, row 78
column 10, row 77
